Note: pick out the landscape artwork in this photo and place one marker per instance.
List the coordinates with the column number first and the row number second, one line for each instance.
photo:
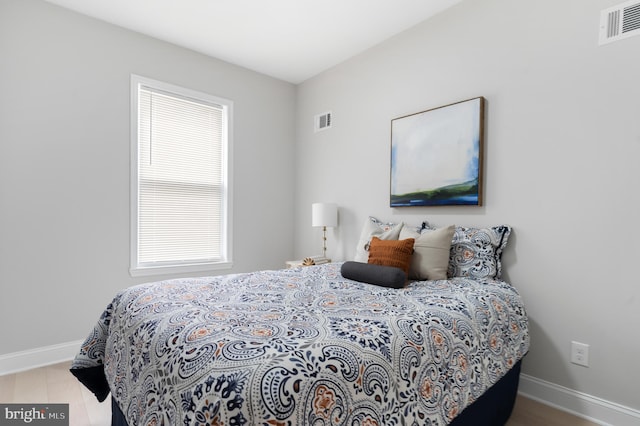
column 436, row 156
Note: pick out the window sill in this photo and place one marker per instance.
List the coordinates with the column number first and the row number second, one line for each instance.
column 143, row 271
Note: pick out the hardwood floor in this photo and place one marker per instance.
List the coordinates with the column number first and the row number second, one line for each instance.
column 528, row 412
column 55, row 384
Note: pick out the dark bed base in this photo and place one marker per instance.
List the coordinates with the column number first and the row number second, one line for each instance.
column 491, row 409
column 494, row 407
column 117, row 418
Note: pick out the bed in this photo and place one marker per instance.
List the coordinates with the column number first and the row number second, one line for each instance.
column 308, row 346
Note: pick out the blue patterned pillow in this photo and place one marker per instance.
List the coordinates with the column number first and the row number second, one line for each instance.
column 477, row 252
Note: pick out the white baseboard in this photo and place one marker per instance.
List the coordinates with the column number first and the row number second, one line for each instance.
column 594, row 409
column 38, row 357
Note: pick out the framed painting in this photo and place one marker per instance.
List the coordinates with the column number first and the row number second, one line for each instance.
column 436, row 156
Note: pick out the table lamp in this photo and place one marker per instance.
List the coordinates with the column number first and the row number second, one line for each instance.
column 325, row 215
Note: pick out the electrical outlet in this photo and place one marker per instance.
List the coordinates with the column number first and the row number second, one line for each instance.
column 580, row 353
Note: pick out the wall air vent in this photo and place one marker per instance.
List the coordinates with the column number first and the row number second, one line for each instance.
column 620, row 22
column 322, row 121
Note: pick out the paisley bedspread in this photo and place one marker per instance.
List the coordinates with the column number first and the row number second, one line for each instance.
column 304, row 346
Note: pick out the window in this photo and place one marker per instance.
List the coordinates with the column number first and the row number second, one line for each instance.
column 180, row 195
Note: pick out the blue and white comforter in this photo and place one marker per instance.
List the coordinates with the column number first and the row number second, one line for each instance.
column 304, row 346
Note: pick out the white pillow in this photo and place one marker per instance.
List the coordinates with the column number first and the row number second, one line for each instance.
column 431, row 248
column 373, row 227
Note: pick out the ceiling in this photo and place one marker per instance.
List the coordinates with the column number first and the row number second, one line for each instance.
column 292, row 40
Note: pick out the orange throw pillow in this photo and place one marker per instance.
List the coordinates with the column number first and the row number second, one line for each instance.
column 391, row 253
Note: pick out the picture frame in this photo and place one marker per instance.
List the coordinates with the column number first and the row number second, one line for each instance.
column 437, row 156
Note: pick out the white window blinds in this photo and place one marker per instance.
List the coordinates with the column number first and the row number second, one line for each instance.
column 181, row 179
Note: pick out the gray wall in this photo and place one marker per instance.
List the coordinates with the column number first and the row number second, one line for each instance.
column 64, row 165
column 562, row 146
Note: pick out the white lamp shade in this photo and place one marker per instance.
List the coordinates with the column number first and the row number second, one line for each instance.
column 324, row 214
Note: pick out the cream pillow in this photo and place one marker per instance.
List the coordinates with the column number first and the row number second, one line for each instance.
column 430, row 252
column 375, row 228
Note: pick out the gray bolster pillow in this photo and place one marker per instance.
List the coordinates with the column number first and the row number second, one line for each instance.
column 385, row 276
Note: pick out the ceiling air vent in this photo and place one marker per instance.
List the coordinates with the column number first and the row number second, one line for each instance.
column 620, row 22
column 322, row 121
